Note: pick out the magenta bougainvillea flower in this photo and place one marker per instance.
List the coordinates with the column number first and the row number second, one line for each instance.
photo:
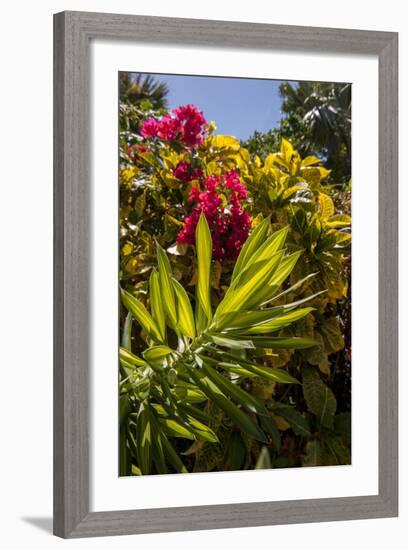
column 133, row 151
column 185, row 172
column 229, row 223
column 150, row 128
column 186, row 124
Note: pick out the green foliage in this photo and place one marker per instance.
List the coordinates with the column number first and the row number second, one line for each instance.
column 318, row 119
column 202, row 354
column 143, row 90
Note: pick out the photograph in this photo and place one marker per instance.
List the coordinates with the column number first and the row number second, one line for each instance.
column 234, row 273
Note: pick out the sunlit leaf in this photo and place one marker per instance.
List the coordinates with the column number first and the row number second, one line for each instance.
column 270, row 323
column 204, row 253
column 144, row 438
column 278, row 342
column 157, row 353
column 236, row 393
column 127, row 332
column 166, row 286
column 254, row 241
column 241, row 297
column 142, row 316
column 326, row 206
column 174, row 429
column 130, row 360
column 276, row 375
column 156, row 304
column 264, row 460
column 236, row 414
column 226, row 342
column 184, row 311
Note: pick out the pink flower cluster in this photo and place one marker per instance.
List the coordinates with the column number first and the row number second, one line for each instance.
column 186, row 124
column 185, row 172
column 133, row 151
column 229, row 224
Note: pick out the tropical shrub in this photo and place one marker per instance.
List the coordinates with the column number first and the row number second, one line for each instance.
column 317, row 117
column 179, row 180
column 211, row 353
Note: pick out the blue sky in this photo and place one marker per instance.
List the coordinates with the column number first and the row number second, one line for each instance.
column 239, row 106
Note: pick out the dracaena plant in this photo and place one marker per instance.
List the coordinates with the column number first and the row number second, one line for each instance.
column 198, row 355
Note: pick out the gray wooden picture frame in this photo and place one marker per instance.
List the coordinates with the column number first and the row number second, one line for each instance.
column 72, row 34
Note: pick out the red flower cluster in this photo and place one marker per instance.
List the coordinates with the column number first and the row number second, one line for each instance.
column 186, row 124
column 229, row 224
column 133, row 151
column 185, row 172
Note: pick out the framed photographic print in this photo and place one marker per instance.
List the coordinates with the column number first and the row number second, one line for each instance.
column 225, row 274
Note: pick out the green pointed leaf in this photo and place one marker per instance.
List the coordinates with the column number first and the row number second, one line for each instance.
column 166, row 287
column 156, row 304
column 127, row 332
column 158, row 454
column 292, row 288
column 237, row 415
column 276, row 375
column 200, row 316
column 225, row 342
column 131, row 439
column 191, row 410
column 263, row 321
column 260, row 258
column 246, row 275
column 326, row 206
column 156, row 354
column 142, row 316
column 240, row 298
column 144, row 439
column 236, row 452
column 188, row 392
column 124, row 408
column 319, row 398
column 204, row 253
column 125, row 463
column 274, row 243
column 172, row 457
column 285, row 269
column 278, row 277
column 202, row 431
column 236, row 393
column 264, row 460
column 293, row 305
column 310, row 161
column 254, row 241
column 279, row 322
column 129, row 360
column 184, row 311
column 339, row 220
column 280, row 342
column 237, row 369
column 174, row 429
column 337, row 451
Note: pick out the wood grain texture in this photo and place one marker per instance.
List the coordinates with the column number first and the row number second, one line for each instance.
column 388, row 273
column 72, row 207
column 71, row 284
